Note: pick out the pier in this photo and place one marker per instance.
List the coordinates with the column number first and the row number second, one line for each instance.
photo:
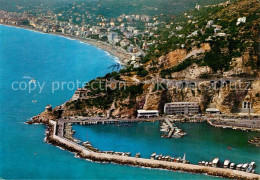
column 171, row 127
column 55, row 137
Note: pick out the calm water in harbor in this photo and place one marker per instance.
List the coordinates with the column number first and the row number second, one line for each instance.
column 202, row 142
column 50, row 58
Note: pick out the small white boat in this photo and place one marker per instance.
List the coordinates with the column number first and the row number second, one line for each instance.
column 232, row 166
column 244, row 167
column 239, row 166
column 226, row 163
column 251, row 167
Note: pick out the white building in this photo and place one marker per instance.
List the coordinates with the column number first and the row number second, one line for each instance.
column 247, row 107
column 241, row 20
column 147, row 113
column 111, row 36
column 213, row 111
column 181, row 108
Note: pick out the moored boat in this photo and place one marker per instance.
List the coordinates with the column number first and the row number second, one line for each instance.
column 226, row 163
column 232, row 166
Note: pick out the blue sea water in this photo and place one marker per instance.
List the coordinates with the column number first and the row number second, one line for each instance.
column 202, row 142
column 50, row 59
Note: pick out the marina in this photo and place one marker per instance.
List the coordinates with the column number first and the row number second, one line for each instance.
column 163, row 163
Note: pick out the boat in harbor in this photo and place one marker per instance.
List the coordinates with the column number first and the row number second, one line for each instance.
column 138, row 155
column 244, row 167
column 239, row 166
column 232, row 166
column 251, row 167
column 226, row 163
column 153, row 156
column 230, row 148
column 216, row 162
column 184, row 159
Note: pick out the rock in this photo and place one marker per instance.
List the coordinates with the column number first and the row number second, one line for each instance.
column 192, row 72
column 205, row 46
column 176, row 57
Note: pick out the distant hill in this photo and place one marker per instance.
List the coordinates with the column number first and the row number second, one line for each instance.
column 21, row 5
column 110, row 8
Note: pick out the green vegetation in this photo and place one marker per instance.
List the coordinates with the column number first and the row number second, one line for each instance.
column 104, row 97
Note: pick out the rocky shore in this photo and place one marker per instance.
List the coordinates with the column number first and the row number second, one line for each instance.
column 120, row 53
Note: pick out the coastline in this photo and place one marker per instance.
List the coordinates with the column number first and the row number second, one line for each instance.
column 93, row 157
column 122, row 57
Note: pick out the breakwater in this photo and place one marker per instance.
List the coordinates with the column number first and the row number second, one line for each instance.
column 85, row 153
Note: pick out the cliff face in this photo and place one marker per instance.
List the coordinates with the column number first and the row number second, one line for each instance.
column 226, row 99
column 192, row 72
column 175, row 57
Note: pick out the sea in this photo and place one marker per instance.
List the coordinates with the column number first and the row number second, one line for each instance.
column 38, row 69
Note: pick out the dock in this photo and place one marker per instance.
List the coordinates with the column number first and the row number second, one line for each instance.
column 171, row 127
column 55, row 137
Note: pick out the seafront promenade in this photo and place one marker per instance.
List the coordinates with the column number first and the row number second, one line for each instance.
column 85, row 153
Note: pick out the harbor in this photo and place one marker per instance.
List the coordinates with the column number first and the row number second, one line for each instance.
column 86, row 150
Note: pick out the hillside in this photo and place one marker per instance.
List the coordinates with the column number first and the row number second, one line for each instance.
column 217, row 43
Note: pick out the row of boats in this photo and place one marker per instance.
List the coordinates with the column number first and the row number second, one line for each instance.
column 161, row 157
column 89, row 146
column 247, row 167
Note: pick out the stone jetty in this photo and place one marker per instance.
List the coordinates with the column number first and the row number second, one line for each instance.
column 85, row 153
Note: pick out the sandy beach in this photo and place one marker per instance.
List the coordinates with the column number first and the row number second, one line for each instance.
column 121, row 54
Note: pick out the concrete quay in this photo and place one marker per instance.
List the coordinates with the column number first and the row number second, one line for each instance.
column 85, row 153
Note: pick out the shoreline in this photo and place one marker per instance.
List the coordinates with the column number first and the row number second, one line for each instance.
column 120, row 57
column 122, row 161
column 86, row 154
